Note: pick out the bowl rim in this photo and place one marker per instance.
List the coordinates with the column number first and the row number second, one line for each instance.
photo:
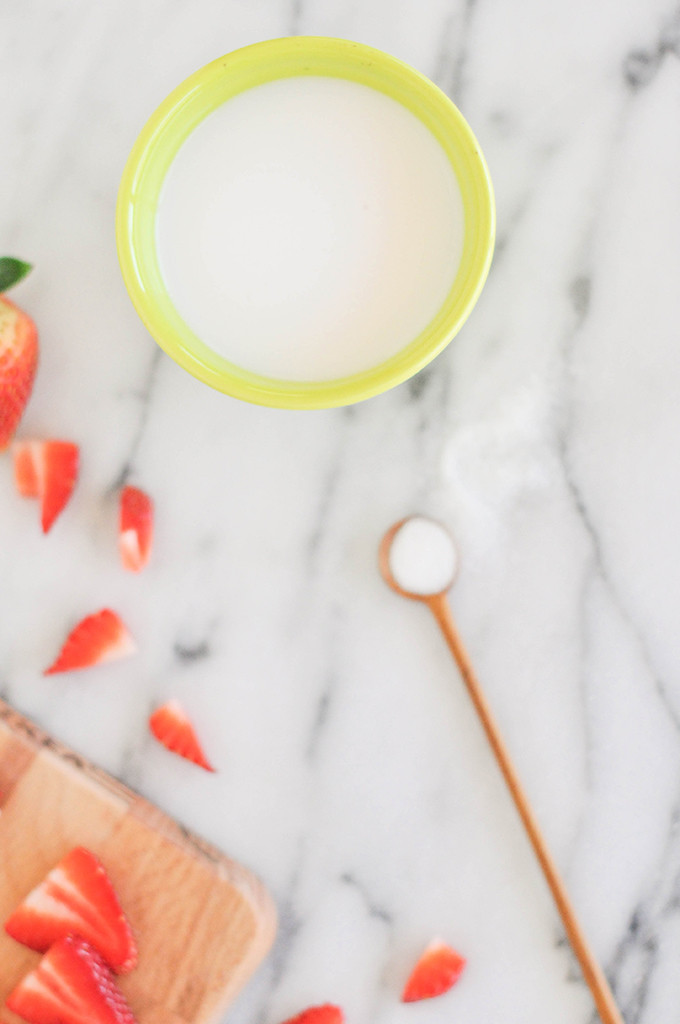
column 167, row 126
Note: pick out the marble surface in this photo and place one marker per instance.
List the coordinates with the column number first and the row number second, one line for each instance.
column 352, row 775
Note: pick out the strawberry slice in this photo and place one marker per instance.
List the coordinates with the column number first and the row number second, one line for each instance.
column 18, row 364
column 98, row 638
column 47, row 470
column 172, row 727
column 136, row 528
column 70, row 985
column 76, row 897
column 438, row 970
column 325, row 1014
column 25, row 473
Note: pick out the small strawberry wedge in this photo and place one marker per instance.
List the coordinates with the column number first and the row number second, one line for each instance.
column 98, row 638
column 77, row 897
column 25, row 471
column 18, row 364
column 136, row 528
column 70, row 985
column 172, row 727
column 47, row 470
column 325, row 1014
column 438, row 970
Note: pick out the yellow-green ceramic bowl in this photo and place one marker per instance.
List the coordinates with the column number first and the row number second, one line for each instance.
column 206, row 90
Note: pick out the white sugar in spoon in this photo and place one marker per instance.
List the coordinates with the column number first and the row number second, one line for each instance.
column 418, row 560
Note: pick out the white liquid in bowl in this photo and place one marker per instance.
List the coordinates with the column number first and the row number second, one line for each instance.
column 309, row 228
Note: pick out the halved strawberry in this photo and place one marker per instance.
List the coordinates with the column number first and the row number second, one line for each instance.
column 172, row 727
column 438, row 970
column 76, row 897
column 70, row 985
column 47, row 470
column 18, row 363
column 97, row 638
column 136, row 528
column 324, row 1014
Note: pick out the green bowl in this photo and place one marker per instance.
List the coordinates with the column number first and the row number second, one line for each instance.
column 202, row 93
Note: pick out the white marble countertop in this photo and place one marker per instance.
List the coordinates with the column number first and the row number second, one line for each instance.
column 353, row 777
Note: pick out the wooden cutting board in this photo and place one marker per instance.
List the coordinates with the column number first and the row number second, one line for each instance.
column 202, row 922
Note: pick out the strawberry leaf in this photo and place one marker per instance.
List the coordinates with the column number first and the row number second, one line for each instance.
column 12, row 271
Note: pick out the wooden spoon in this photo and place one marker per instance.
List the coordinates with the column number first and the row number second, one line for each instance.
column 439, row 606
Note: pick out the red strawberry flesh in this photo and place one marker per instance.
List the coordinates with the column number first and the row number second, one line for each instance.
column 172, row 727
column 47, row 470
column 60, row 470
column 70, row 985
column 18, row 364
column 97, row 638
column 25, row 473
column 438, row 970
column 136, row 528
column 327, row 1013
column 76, row 897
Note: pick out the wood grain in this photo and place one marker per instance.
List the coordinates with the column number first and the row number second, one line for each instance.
column 203, row 923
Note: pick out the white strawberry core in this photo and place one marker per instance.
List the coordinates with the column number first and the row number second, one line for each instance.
column 124, row 645
column 36, row 450
column 129, row 543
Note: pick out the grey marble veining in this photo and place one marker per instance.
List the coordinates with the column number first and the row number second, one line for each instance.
column 352, row 775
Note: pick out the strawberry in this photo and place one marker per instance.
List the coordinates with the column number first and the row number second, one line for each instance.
column 438, row 970
column 18, row 363
column 171, row 727
column 25, row 474
column 47, row 470
column 325, row 1014
column 70, row 985
column 136, row 528
column 98, row 638
column 76, row 897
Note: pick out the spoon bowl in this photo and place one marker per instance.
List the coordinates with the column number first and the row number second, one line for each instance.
column 387, row 551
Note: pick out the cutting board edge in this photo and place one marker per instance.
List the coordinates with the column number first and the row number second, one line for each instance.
column 253, row 890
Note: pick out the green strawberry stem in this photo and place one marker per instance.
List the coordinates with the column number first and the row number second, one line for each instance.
column 12, row 271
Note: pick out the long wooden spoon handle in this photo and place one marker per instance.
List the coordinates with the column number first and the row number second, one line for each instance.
column 592, row 972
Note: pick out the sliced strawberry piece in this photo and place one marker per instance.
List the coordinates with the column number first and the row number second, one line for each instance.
column 136, row 528
column 59, row 474
column 47, row 470
column 172, row 727
column 18, row 363
column 76, row 897
column 25, row 473
column 70, row 985
column 98, row 638
column 438, row 970
column 325, row 1014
